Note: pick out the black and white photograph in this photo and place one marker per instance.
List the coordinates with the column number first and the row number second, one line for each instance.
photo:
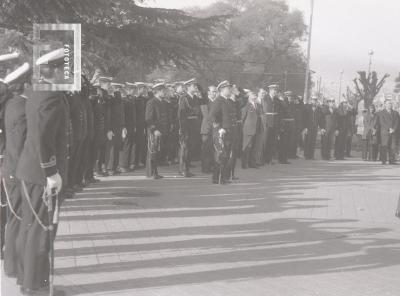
column 202, row 147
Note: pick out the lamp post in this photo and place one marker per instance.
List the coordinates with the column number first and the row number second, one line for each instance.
column 308, row 54
column 340, row 86
column 370, row 53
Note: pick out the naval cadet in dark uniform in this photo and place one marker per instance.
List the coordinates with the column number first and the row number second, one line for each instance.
column 207, row 155
column 220, row 117
column 314, row 120
column 99, row 102
column 116, row 128
column 140, row 133
column 286, row 128
column 42, row 171
column 270, row 105
column 251, row 127
column 173, row 136
column 127, row 154
column 157, row 122
column 6, row 62
column 331, row 129
column 296, row 111
column 189, row 117
column 15, row 132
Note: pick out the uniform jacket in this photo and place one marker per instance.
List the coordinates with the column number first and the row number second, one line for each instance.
column 221, row 113
column 296, row 111
column 130, row 114
column 157, row 115
column 271, row 108
column 188, row 111
column 46, row 147
column 206, row 125
column 140, row 106
column 15, row 130
column 313, row 118
column 331, row 119
column 115, row 117
column 99, row 116
column 251, row 119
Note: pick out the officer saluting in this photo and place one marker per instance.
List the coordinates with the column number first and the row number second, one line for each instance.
column 42, row 171
column 15, row 131
column 4, row 97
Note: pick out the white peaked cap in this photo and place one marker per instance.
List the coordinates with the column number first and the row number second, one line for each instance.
column 9, row 56
column 51, row 56
column 21, row 70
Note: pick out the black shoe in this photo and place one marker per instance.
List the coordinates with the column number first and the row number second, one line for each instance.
column 78, row 188
column 188, row 174
column 124, row 170
column 115, row 173
column 235, row 178
column 94, row 180
column 284, row 162
column 157, row 177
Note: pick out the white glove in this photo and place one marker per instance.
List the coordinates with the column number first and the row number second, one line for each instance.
column 221, row 132
column 336, row 133
column 323, row 131
column 110, row 135
column 54, row 183
column 391, row 131
column 157, row 133
column 305, row 131
column 124, row 133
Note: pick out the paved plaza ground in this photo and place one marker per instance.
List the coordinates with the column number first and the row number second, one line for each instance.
column 311, row 228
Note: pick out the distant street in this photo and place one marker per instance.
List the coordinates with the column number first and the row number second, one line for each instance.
column 311, row 228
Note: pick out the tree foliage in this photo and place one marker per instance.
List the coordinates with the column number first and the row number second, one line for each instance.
column 259, row 43
column 117, row 33
column 368, row 86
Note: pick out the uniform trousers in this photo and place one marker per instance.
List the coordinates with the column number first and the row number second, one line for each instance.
column 187, row 145
column 3, row 216
column 270, row 143
column 388, row 149
column 127, row 153
column 153, row 150
column 221, row 168
column 140, row 145
column 113, row 148
column 340, row 145
column 99, row 151
column 173, row 144
column 234, row 151
column 327, row 141
column 12, row 187
column 207, row 158
column 248, row 151
column 283, row 145
column 310, row 140
column 33, row 241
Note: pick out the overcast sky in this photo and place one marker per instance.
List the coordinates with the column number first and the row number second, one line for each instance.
column 344, row 31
